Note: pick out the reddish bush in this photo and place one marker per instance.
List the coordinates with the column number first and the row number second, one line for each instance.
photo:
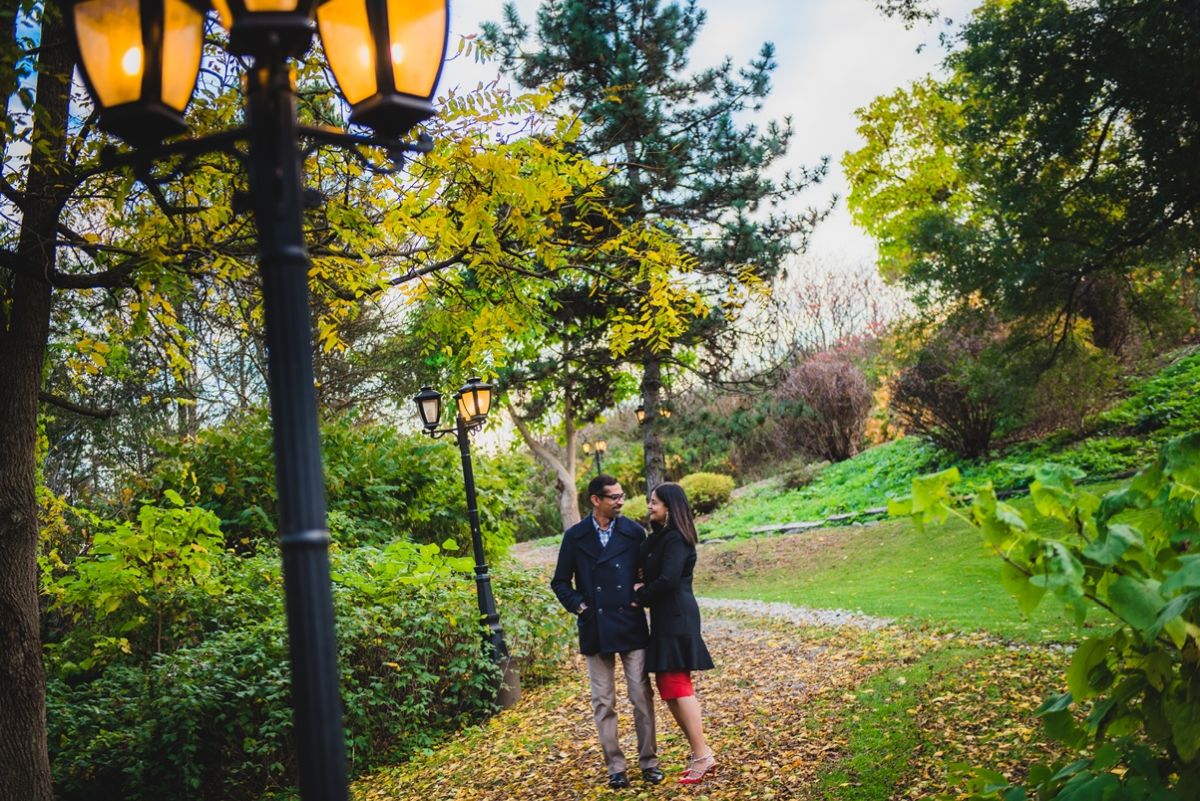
column 833, row 401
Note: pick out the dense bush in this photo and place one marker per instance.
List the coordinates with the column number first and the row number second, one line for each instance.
column 1079, row 382
column 382, row 485
column 635, row 509
column 707, row 491
column 960, row 388
column 1129, row 717
column 834, row 400
column 412, row 659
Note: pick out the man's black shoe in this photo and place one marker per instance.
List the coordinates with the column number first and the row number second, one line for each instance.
column 652, row 775
column 618, row 780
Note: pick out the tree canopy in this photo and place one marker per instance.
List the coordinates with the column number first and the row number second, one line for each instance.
column 1054, row 170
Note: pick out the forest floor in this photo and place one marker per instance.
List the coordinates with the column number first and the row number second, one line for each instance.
column 850, row 708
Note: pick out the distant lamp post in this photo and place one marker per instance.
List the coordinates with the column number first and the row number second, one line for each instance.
column 140, row 60
column 474, row 401
column 596, row 450
column 663, row 411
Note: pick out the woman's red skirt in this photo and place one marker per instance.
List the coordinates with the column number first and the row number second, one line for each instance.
column 674, row 684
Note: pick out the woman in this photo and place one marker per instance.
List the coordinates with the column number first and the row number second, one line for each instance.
column 676, row 649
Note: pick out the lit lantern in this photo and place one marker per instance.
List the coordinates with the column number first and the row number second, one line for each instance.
column 386, row 56
column 140, row 60
column 429, row 406
column 474, row 400
column 641, row 414
column 261, row 27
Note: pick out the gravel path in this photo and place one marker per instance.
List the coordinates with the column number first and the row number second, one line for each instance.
column 543, row 557
column 798, row 615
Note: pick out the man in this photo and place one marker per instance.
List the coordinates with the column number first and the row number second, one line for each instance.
column 594, row 578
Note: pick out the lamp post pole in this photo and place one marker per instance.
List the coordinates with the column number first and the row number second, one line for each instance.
column 473, row 402
column 137, row 58
column 596, row 459
column 275, row 189
column 483, row 581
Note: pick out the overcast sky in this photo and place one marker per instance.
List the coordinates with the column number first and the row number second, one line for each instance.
column 834, row 56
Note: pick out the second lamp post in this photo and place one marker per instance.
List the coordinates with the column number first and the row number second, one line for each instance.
column 474, row 401
column 596, row 449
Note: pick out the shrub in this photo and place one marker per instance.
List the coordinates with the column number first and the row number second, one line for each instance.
column 960, row 389
column 1129, row 718
column 541, row 637
column 834, row 401
column 801, row 475
column 382, row 485
column 707, row 491
column 1077, row 385
column 413, row 663
column 143, row 586
column 635, row 509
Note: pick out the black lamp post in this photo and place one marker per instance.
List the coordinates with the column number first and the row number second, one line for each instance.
column 140, row 60
column 474, row 401
column 597, row 450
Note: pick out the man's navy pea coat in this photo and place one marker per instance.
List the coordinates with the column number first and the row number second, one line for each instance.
column 603, row 578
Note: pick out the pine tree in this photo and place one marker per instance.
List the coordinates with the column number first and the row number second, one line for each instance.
column 683, row 157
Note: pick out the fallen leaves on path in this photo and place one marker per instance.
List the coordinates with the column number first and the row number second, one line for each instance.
column 772, row 709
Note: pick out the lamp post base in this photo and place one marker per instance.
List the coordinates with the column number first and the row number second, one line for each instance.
column 509, row 691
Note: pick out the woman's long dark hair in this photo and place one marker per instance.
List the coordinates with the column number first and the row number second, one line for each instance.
column 678, row 511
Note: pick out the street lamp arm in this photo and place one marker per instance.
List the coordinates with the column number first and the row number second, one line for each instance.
column 352, row 142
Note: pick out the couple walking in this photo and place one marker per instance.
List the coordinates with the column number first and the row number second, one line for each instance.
column 608, row 573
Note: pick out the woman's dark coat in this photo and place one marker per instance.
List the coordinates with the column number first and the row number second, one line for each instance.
column 668, row 561
column 604, row 579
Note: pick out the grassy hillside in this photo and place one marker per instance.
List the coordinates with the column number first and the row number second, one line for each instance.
column 1156, row 409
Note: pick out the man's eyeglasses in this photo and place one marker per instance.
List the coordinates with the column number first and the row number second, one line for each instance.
column 620, row 496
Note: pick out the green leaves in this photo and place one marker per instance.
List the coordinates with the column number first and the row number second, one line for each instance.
column 930, row 500
column 1136, row 602
column 1083, row 678
column 1128, row 554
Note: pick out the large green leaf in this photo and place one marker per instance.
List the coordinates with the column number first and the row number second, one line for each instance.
column 1137, row 602
column 1183, row 714
column 1113, row 543
column 1090, row 654
column 1028, row 595
column 1187, row 577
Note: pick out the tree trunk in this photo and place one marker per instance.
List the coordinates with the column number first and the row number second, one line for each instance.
column 24, row 331
column 655, row 463
column 1104, row 304
column 568, row 497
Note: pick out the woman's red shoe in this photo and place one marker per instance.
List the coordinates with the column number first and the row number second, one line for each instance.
column 699, row 769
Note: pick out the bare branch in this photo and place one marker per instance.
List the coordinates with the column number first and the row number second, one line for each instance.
column 70, row 406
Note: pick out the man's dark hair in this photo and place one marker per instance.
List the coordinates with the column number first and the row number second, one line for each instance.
column 600, row 483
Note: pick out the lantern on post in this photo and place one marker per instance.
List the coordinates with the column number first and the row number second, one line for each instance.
column 474, row 400
column 259, row 27
column 140, row 60
column 386, row 56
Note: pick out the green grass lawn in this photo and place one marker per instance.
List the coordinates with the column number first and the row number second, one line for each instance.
column 944, row 577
